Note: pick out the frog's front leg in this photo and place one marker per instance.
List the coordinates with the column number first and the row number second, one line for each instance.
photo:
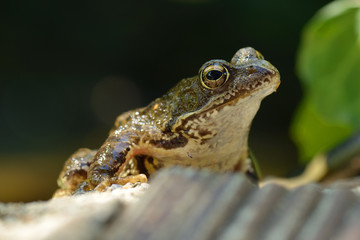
column 75, row 171
column 111, row 159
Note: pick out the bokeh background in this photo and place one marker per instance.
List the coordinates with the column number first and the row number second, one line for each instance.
column 68, row 68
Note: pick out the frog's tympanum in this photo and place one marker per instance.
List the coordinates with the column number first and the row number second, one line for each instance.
column 202, row 122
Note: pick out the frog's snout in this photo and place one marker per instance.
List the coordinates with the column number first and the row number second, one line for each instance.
column 276, row 78
column 277, row 86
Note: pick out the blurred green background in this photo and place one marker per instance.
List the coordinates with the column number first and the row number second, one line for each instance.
column 67, row 69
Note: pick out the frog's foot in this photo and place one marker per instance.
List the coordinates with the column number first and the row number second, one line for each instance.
column 121, row 181
column 84, row 187
column 61, row 193
column 106, row 182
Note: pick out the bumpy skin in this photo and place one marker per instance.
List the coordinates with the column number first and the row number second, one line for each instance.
column 202, row 122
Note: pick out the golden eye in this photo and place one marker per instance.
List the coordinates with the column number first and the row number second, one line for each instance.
column 214, row 76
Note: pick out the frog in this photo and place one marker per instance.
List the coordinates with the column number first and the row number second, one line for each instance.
column 203, row 122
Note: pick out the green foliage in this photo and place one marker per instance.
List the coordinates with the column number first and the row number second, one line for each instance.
column 312, row 133
column 329, row 68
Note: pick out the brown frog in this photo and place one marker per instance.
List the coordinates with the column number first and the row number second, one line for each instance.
column 202, row 122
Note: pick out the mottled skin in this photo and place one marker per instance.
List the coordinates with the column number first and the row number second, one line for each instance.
column 202, row 122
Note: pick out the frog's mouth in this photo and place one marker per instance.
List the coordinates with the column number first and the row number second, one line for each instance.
column 255, row 90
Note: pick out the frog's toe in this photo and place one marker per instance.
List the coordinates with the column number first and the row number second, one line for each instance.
column 84, row 187
column 133, row 179
column 101, row 187
column 130, row 179
column 61, row 193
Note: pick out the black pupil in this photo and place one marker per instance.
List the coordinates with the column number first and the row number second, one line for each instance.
column 214, row 75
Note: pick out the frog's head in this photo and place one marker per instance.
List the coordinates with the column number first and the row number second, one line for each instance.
column 237, row 86
column 247, row 76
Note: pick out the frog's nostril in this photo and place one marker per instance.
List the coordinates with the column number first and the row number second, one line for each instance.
column 251, row 69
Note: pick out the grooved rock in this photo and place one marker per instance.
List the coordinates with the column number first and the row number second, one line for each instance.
column 79, row 217
column 183, row 203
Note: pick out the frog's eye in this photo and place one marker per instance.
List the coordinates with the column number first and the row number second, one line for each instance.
column 214, row 76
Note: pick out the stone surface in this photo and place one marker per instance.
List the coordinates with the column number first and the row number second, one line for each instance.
column 183, row 203
column 78, row 217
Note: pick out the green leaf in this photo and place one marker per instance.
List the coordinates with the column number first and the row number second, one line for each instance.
column 328, row 65
column 312, row 133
